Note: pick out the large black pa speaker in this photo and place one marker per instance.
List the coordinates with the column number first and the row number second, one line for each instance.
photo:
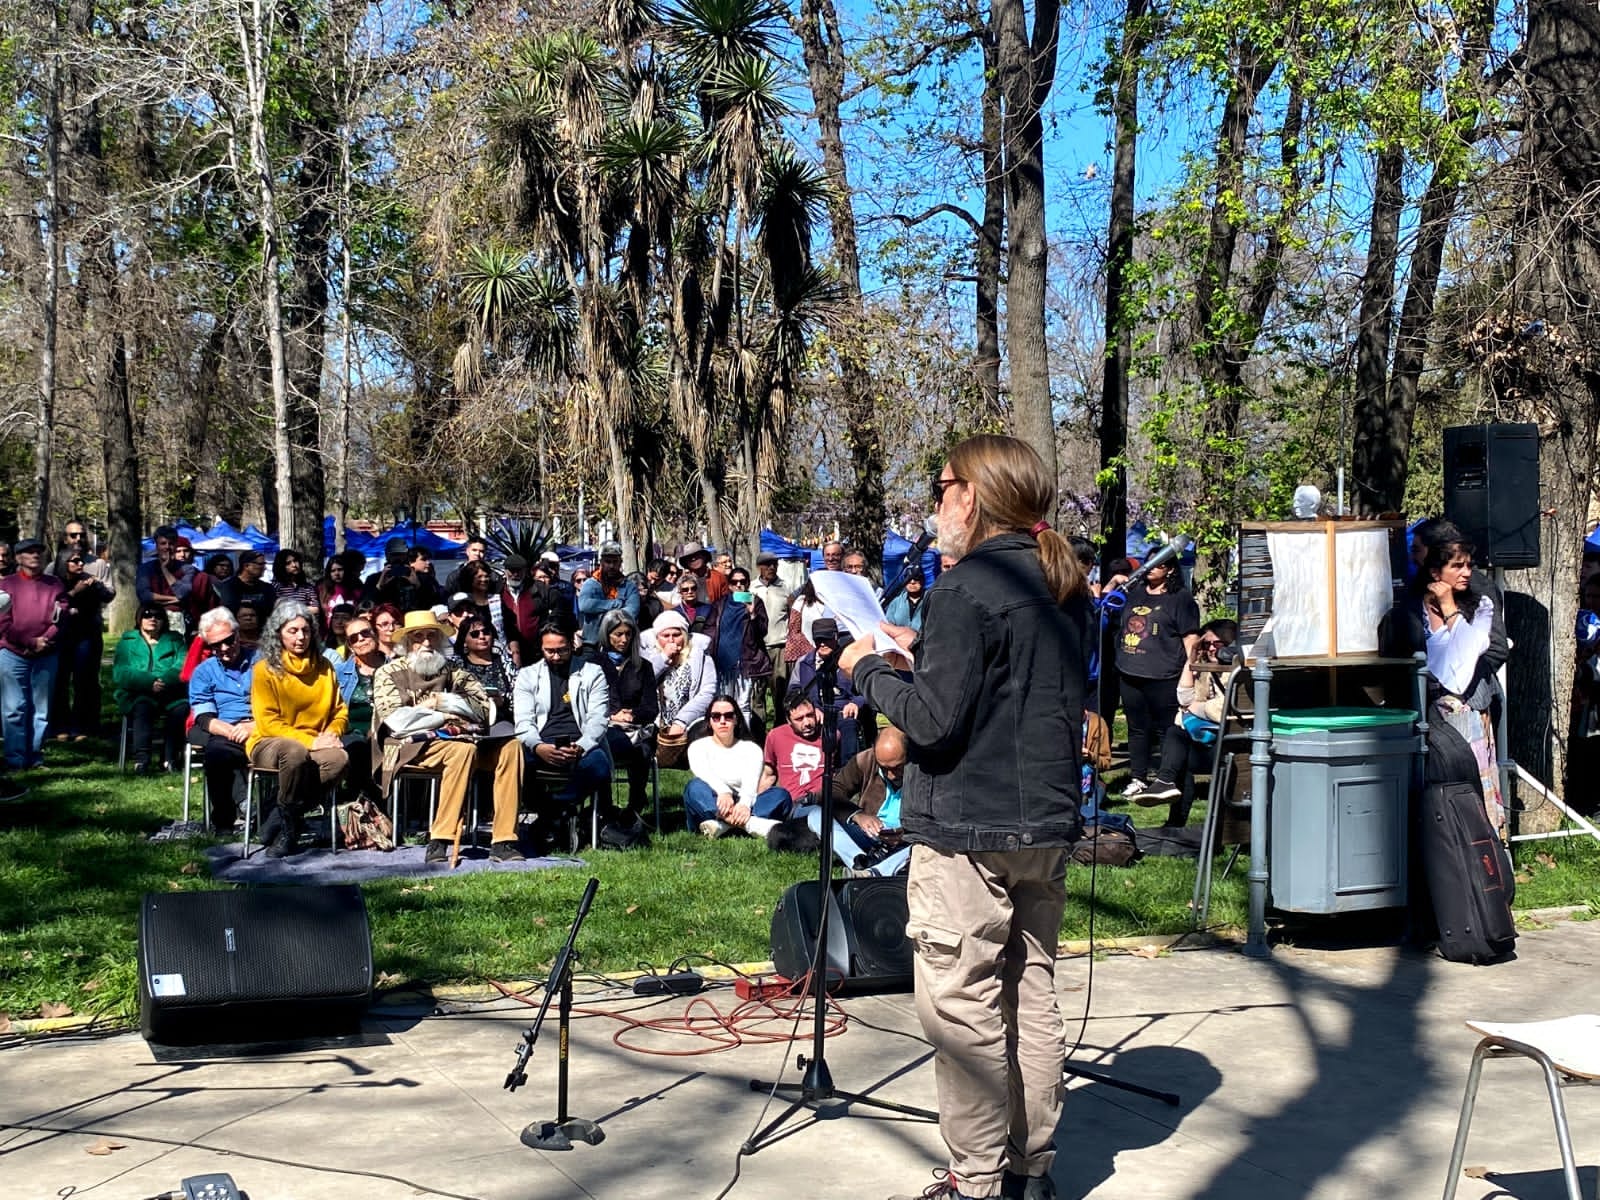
column 1491, row 491
column 867, row 946
column 253, row 965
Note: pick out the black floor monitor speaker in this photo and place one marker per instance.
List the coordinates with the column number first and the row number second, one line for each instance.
column 253, row 965
column 1491, row 491
column 867, row 947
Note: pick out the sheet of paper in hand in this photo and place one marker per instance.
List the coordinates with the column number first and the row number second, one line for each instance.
column 855, row 605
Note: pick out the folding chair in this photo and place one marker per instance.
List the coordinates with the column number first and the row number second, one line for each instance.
column 1567, row 1050
column 251, row 775
column 549, row 783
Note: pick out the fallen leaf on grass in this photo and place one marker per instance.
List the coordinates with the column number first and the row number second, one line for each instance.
column 1546, row 861
column 388, row 978
column 93, row 985
column 51, row 1009
column 631, row 909
column 174, row 886
column 540, row 922
column 1523, row 877
column 189, row 868
column 1148, row 951
column 5, row 1022
column 103, row 1146
column 1475, row 1172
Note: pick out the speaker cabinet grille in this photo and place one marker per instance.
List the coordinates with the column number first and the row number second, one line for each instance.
column 248, row 965
column 1491, row 491
column 867, row 946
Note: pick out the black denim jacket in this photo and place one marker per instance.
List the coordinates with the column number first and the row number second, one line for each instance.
column 993, row 714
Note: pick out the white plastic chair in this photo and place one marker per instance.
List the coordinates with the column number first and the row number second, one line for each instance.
column 1567, row 1050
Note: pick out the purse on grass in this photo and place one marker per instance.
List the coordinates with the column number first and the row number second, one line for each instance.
column 365, row 826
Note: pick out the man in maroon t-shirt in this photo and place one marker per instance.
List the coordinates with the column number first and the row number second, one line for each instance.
column 793, row 756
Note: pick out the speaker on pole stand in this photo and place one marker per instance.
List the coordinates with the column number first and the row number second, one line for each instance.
column 815, row 1090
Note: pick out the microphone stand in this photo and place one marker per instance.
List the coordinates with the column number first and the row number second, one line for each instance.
column 815, row 1089
column 560, row 1133
column 1068, row 1067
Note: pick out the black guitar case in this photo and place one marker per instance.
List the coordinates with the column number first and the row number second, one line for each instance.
column 1467, row 868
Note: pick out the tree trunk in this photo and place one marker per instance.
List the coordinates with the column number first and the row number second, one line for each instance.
column 992, row 230
column 1375, row 437
column 1124, row 106
column 45, row 414
column 824, row 54
column 1026, row 69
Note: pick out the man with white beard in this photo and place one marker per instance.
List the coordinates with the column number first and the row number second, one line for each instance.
column 421, row 677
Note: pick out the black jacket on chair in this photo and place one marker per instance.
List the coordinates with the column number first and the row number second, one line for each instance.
column 993, row 714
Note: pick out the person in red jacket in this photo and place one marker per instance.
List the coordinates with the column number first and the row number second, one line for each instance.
column 30, row 627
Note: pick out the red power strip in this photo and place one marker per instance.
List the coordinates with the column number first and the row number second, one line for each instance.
column 763, row 987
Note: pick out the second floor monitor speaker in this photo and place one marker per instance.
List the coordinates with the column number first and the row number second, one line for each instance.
column 1491, row 491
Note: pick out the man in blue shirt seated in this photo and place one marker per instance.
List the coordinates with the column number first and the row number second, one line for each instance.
column 219, row 699
column 866, row 809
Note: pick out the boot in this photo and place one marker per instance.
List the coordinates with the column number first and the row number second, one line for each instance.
column 287, row 840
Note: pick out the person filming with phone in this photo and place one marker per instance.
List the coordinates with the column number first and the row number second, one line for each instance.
column 993, row 723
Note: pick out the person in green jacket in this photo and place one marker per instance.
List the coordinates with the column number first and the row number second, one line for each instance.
column 146, row 674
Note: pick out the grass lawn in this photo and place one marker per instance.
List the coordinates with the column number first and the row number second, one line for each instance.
column 75, row 859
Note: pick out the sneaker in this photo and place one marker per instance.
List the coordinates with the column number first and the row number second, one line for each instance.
column 438, row 851
column 10, row 789
column 713, row 828
column 505, row 852
column 1159, row 794
column 141, row 768
column 1133, row 788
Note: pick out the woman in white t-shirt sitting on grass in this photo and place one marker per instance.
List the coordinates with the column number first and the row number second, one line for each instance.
column 724, row 793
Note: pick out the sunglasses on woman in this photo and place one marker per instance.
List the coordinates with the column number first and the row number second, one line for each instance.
column 722, row 716
column 357, row 635
column 485, row 633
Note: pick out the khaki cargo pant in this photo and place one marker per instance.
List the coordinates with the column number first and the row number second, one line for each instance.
column 984, row 927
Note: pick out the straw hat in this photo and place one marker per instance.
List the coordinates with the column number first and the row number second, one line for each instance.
column 421, row 621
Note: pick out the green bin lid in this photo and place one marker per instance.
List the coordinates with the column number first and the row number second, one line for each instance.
column 1308, row 720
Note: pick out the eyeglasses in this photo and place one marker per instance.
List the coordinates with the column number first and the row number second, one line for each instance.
column 76, row 533
column 230, row 640
column 75, row 562
column 480, row 633
column 721, row 716
column 739, row 583
column 356, row 635
column 939, row 486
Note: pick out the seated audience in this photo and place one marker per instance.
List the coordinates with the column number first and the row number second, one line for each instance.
column 355, row 675
column 146, row 677
column 219, row 566
column 337, row 649
column 422, row 677
column 686, row 679
column 608, row 590
column 476, row 653
column 75, row 702
column 250, row 622
column 386, row 622
column 300, row 721
column 866, row 836
column 631, row 733
column 1188, row 745
column 219, row 700
column 562, row 708
column 248, row 587
column 729, row 790
column 792, row 758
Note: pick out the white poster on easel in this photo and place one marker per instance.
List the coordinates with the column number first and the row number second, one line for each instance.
column 1309, row 610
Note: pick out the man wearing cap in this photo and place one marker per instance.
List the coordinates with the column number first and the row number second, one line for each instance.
column 773, row 597
column 606, row 590
column 30, row 626
column 713, row 585
column 563, row 606
column 420, row 676
column 247, row 587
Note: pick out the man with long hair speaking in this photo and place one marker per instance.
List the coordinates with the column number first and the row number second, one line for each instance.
column 993, row 720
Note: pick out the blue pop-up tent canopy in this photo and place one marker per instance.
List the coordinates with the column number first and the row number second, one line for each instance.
column 414, row 534
column 1592, row 542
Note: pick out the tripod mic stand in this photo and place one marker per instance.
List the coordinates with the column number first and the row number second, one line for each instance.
column 815, row 1089
column 560, row 1133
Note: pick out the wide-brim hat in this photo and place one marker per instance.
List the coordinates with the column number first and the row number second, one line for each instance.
column 689, row 550
column 421, row 621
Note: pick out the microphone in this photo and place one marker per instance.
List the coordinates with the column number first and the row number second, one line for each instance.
column 913, row 562
column 1167, row 554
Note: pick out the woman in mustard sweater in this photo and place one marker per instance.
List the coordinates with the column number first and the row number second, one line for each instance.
column 146, row 677
column 300, row 718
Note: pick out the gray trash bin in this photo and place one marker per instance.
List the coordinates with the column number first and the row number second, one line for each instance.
column 1338, row 810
